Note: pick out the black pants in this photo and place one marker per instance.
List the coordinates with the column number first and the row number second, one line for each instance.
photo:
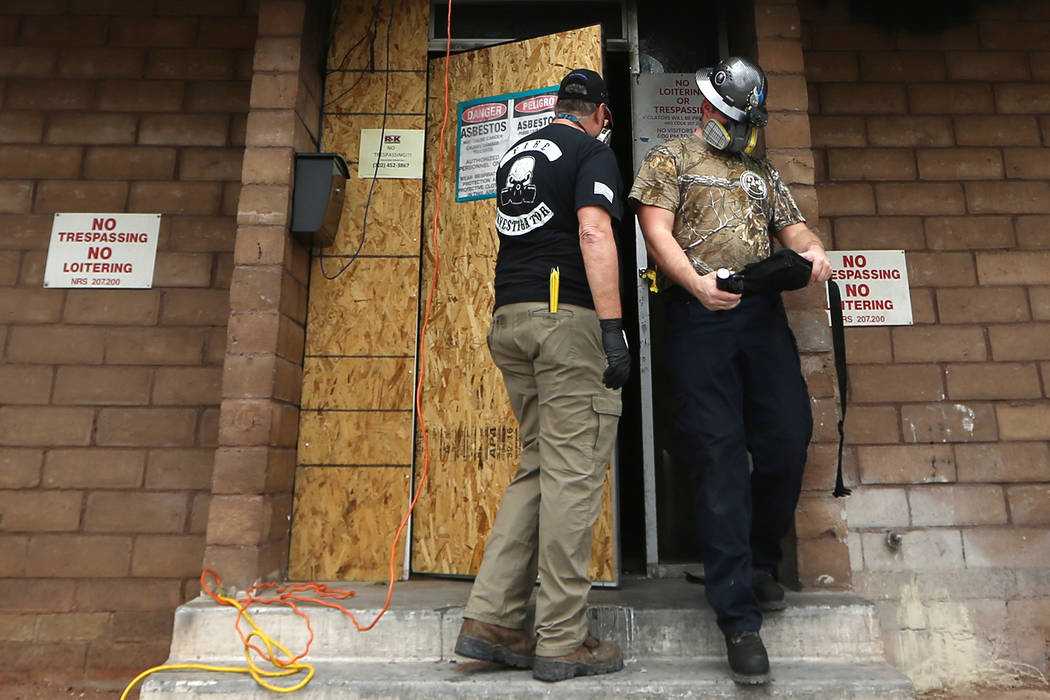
column 738, row 389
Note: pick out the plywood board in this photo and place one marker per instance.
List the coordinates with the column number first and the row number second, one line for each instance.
column 368, row 310
column 361, row 39
column 344, row 520
column 358, row 383
column 376, row 92
column 475, row 443
column 347, row 438
column 395, row 213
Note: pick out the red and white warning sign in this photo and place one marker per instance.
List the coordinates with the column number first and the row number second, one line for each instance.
column 102, row 250
column 873, row 285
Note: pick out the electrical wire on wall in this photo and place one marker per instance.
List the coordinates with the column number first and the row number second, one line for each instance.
column 370, row 32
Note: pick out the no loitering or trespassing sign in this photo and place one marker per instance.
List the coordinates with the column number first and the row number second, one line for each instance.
column 102, row 250
column 873, row 285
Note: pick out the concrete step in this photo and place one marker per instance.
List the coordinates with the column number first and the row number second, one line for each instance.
column 659, row 619
column 647, row 678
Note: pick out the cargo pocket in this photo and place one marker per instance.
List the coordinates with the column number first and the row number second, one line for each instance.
column 607, row 410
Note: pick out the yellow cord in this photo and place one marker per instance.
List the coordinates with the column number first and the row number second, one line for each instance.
column 288, row 668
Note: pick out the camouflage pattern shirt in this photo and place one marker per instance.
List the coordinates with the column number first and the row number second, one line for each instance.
column 726, row 206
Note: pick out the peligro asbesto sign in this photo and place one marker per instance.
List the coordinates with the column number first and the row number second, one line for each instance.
column 874, row 287
column 102, row 250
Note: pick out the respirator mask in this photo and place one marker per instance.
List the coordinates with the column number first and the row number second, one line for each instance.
column 737, row 88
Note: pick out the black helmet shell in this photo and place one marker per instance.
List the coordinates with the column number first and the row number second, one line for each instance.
column 737, row 87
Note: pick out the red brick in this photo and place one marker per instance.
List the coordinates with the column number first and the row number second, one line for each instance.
column 940, row 269
column 63, row 30
column 101, row 63
column 922, row 307
column 878, row 383
column 39, row 511
column 190, row 64
column 225, row 96
column 175, row 197
column 1011, row 548
column 256, row 288
column 270, row 128
column 982, row 305
column 1040, row 299
column 1021, row 267
column 992, row 66
column 132, row 163
column 15, row 197
column 139, row 96
column 938, row 343
column 944, row 422
column 203, row 7
column 168, row 556
column 146, row 427
column 960, row 164
column 279, row 18
column 226, row 32
column 823, row 563
column 72, row 626
column 277, row 54
column 184, row 129
column 992, row 380
column 19, row 468
column 906, row 464
column 786, row 130
column 26, row 62
column 123, row 307
column 154, row 346
column 195, row 307
column 268, row 166
column 126, row 594
column 231, row 198
column 950, row 98
column 199, row 513
column 996, row 130
column 55, row 345
column 1023, row 421
column 863, row 98
column 142, row 626
column 846, row 199
column 920, row 198
column 187, row 386
column 77, row 195
column 274, row 90
column 839, row 132
column 957, row 505
column 1022, row 98
column 1027, row 164
column 45, row 426
column 291, row 339
column 210, row 164
column 51, row 94
column 254, row 332
column 203, row 233
column 902, row 66
column 32, row 272
column 872, row 425
column 245, row 422
column 237, row 520
column 93, row 467
column 110, row 386
column 21, row 127
column 215, row 346
column 189, row 469
column 135, row 512
column 15, row 627
column 264, row 205
column 27, row 595
column 91, row 128
column 25, row 659
column 1029, row 505
column 910, row 131
column 183, row 270
column 969, row 232
column 1008, row 197
column 152, row 32
column 871, row 164
column 30, row 306
column 1030, row 341
column 76, row 556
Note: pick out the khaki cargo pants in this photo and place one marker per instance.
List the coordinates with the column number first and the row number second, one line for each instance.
column 552, row 365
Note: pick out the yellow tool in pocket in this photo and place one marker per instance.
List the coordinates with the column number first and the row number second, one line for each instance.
column 555, row 281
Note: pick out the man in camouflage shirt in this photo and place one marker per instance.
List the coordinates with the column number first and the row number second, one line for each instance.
column 704, row 202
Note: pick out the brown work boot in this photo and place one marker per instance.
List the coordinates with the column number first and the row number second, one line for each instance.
column 510, row 647
column 592, row 658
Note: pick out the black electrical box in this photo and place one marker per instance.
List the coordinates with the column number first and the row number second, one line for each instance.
column 317, row 200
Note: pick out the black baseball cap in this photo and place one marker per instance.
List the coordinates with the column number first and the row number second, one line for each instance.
column 583, row 84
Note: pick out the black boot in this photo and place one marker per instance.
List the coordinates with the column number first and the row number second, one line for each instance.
column 748, row 660
column 769, row 593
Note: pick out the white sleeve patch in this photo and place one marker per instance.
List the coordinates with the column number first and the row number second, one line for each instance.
column 603, row 189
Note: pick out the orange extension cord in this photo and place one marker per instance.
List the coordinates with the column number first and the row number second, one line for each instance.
column 291, row 594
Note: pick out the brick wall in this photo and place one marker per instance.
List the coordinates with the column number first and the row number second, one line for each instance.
column 109, row 400
column 936, row 143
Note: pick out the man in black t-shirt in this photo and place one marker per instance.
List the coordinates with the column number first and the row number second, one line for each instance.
column 557, row 336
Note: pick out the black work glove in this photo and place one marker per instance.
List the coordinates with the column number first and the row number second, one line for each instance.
column 614, row 340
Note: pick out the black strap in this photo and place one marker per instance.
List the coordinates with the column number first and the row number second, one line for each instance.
column 838, row 343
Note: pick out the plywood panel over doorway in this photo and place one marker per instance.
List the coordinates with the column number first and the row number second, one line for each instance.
column 474, row 444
